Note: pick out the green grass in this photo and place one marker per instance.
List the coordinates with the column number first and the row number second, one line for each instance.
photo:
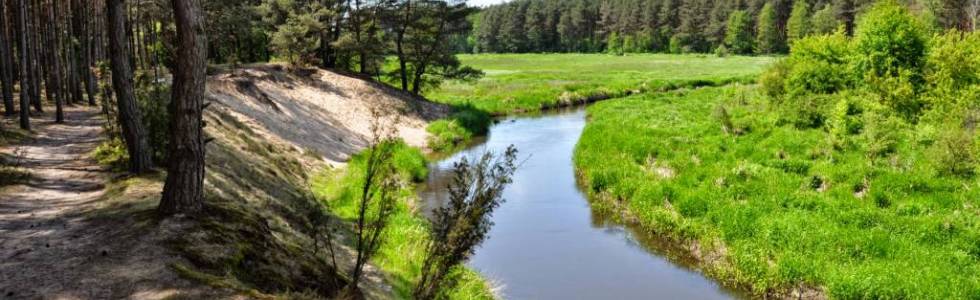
column 403, row 251
column 529, row 82
column 458, row 129
column 780, row 205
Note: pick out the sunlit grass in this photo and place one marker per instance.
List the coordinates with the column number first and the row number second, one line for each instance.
column 403, row 251
column 783, row 207
column 528, row 82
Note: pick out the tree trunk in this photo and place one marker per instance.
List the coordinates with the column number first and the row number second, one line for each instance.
column 33, row 46
column 25, row 118
column 184, row 189
column 6, row 63
column 53, row 85
column 130, row 119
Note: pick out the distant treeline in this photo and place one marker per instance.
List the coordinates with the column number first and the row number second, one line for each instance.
column 681, row 26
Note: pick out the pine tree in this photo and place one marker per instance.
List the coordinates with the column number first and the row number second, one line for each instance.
column 767, row 34
column 798, row 25
column 823, row 21
column 739, row 35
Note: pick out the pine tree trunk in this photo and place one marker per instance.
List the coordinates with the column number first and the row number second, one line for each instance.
column 53, row 84
column 6, row 63
column 130, row 119
column 25, row 118
column 33, row 47
column 184, row 189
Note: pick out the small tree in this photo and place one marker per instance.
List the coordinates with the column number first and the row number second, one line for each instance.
column 460, row 226
column 823, row 21
column 739, row 35
column 798, row 25
column 767, row 32
column 890, row 40
column 376, row 202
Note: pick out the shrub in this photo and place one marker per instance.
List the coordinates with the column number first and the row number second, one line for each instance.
column 808, row 111
column 954, row 60
column 881, row 133
column 844, row 121
column 153, row 99
column 955, row 153
column 112, row 153
column 889, row 38
column 773, row 80
column 819, row 64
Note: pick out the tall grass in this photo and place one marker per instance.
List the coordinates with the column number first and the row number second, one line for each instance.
column 776, row 207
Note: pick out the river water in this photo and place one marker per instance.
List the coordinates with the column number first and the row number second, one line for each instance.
column 547, row 243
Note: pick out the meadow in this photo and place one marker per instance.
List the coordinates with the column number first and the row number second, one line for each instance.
column 530, row 82
column 765, row 204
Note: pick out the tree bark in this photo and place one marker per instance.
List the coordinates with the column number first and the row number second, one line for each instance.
column 25, row 117
column 53, row 84
column 184, row 190
column 6, row 63
column 130, row 119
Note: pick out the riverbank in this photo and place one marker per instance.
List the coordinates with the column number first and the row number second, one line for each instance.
column 763, row 204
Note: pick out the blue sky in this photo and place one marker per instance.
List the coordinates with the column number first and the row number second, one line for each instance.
column 483, row 2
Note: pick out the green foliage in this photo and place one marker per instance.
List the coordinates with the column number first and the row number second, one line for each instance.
column 889, row 40
column 739, row 34
column 112, row 153
column 768, row 38
column 296, row 28
column 881, row 133
column 819, row 64
column 823, row 21
column 773, row 80
column 402, row 254
column 457, row 130
column 798, row 25
column 956, row 153
column 153, row 98
column 779, row 207
column 845, row 121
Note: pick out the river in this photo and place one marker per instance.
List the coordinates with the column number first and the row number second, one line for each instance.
column 547, row 243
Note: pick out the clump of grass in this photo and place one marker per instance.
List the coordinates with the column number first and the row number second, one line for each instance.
column 788, row 210
column 112, row 153
column 458, row 129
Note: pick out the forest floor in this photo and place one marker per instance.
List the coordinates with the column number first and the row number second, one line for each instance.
column 60, row 237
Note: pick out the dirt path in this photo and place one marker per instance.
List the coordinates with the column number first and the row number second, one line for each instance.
column 57, row 241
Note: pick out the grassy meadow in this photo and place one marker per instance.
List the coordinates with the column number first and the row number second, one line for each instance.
column 528, row 82
column 776, row 207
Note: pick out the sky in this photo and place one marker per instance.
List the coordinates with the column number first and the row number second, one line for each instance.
column 484, row 2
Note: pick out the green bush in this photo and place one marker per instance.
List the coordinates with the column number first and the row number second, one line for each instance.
column 881, row 133
column 845, row 120
column 819, row 64
column 808, row 111
column 153, row 99
column 955, row 153
column 112, row 153
column 954, row 60
column 773, row 80
column 889, row 38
